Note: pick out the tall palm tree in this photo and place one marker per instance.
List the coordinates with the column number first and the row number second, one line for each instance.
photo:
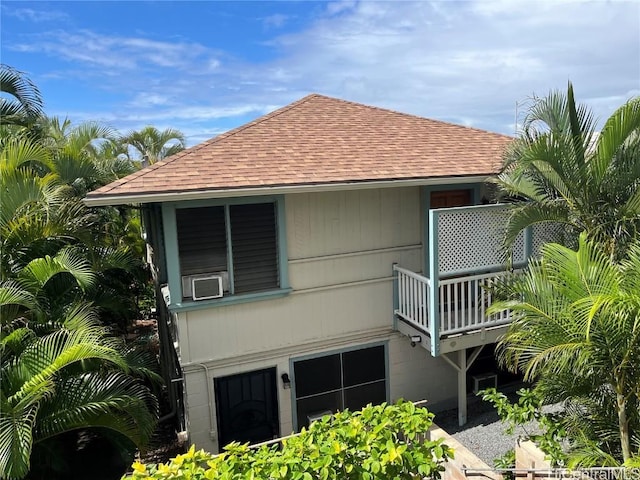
column 64, row 271
column 576, row 332
column 26, row 104
column 154, row 145
column 566, row 172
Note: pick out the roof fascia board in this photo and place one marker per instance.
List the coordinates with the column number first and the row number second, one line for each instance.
column 106, row 200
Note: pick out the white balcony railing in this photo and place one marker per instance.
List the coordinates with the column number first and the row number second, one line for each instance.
column 463, row 302
column 413, row 297
column 461, row 306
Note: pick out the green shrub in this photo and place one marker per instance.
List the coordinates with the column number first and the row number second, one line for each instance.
column 378, row 442
column 549, row 433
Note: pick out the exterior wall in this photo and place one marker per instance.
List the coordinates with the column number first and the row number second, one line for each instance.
column 341, row 250
column 412, row 374
column 415, row 375
column 341, row 247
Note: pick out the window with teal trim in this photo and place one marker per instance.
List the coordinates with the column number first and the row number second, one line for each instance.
column 227, row 250
column 350, row 379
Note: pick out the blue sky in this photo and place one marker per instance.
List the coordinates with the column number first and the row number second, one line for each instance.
column 205, row 67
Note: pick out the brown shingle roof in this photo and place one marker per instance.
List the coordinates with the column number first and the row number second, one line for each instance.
column 319, row 140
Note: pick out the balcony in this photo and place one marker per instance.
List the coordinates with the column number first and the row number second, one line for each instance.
column 447, row 307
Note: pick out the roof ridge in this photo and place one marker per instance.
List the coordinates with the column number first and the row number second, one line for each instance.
column 412, row 115
column 263, row 118
column 217, row 138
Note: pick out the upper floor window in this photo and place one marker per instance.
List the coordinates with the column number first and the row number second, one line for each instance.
column 227, row 250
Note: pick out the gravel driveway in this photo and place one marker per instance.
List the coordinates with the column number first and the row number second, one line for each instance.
column 484, row 432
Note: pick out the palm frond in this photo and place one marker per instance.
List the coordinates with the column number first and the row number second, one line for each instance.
column 26, row 104
column 16, row 441
column 41, row 270
column 619, row 129
column 114, row 401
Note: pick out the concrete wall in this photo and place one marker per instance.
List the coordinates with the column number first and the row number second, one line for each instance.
column 463, row 458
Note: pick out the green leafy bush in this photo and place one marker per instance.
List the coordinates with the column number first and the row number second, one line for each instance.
column 378, row 442
column 550, row 430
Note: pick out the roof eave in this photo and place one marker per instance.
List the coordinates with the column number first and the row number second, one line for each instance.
column 102, row 200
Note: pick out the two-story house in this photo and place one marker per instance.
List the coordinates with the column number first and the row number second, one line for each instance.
column 324, row 256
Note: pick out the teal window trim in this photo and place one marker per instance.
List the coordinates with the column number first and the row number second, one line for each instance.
column 229, row 300
column 281, row 233
column 215, row 202
column 170, row 227
column 292, row 375
column 434, row 297
column 227, row 225
column 173, row 259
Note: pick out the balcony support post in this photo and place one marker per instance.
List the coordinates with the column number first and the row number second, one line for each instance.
column 462, row 387
column 462, row 366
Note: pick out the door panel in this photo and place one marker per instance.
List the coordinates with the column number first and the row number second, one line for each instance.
column 247, row 407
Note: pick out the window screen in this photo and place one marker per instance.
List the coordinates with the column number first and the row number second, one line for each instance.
column 337, row 381
column 253, row 239
column 202, row 244
column 203, row 235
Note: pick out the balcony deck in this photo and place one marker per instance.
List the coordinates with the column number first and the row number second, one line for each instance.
column 464, row 258
column 462, row 302
column 445, row 309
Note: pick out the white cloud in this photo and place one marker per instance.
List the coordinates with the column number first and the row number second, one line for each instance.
column 334, row 8
column 277, row 20
column 111, row 51
column 36, row 16
column 467, row 62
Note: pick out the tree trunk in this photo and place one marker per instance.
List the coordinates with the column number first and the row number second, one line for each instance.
column 623, row 425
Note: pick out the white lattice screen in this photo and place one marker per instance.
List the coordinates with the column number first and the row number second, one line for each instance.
column 544, row 233
column 471, row 239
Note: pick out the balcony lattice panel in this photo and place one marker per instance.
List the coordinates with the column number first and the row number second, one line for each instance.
column 545, row 233
column 471, row 239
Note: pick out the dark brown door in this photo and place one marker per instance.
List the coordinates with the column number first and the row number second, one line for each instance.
column 247, row 407
column 451, row 198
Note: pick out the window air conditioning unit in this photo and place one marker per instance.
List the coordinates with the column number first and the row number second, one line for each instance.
column 486, row 380
column 205, row 286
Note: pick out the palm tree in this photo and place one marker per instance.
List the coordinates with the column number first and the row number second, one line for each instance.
column 26, row 105
column 65, row 270
column 576, row 332
column 84, row 156
column 568, row 173
column 154, row 145
column 60, row 371
column 42, row 186
column 47, row 390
